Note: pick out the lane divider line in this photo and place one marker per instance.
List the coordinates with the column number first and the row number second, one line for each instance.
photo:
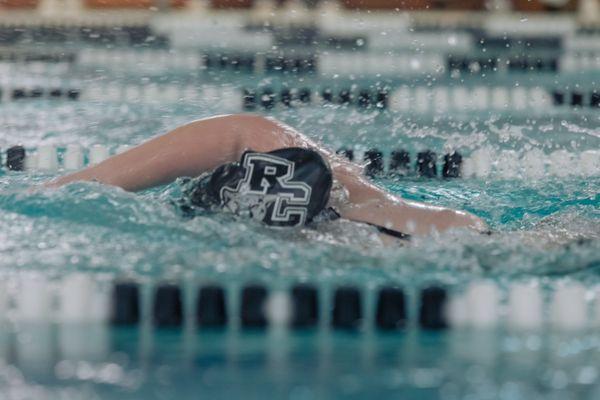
column 419, row 99
column 481, row 163
column 83, row 298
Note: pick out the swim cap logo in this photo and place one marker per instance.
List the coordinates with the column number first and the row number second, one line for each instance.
column 267, row 192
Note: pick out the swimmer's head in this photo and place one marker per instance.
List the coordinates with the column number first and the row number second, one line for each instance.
column 285, row 187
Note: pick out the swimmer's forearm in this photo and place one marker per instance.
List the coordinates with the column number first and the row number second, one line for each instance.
column 369, row 203
column 127, row 171
column 186, row 151
column 424, row 224
column 410, row 217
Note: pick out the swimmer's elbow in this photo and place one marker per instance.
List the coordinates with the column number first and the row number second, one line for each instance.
column 452, row 219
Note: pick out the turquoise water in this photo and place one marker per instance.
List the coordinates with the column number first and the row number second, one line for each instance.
column 321, row 365
column 547, row 229
column 87, row 226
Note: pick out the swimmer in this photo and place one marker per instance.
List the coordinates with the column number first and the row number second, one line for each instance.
column 260, row 167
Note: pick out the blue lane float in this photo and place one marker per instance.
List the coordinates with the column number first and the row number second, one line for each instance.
column 491, row 64
column 253, row 63
column 452, row 165
column 347, row 308
column 347, row 153
column 125, row 304
column 167, row 308
column 576, row 99
column 426, row 164
column 399, row 163
column 211, row 310
column 595, row 100
column 25, row 56
column 15, row 158
column 391, row 309
column 432, row 308
column 238, row 63
column 36, row 93
column 253, row 301
column 267, row 98
column 305, row 306
column 523, row 43
column 107, row 33
column 374, row 160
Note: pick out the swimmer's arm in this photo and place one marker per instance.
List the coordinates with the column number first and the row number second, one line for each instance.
column 186, row 151
column 411, row 217
column 370, row 204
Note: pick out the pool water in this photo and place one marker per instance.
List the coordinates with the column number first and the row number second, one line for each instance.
column 546, row 230
column 321, row 365
column 534, row 218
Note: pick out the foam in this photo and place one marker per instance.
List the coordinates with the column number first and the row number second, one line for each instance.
column 560, row 163
column 533, row 164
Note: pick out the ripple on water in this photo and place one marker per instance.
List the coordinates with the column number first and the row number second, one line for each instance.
column 547, row 228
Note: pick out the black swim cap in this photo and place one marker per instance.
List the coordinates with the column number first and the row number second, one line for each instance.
column 285, row 187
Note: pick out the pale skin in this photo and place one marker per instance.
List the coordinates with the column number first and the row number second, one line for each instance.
column 203, row 145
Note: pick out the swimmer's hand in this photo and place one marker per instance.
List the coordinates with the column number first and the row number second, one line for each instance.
column 452, row 219
column 468, row 220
